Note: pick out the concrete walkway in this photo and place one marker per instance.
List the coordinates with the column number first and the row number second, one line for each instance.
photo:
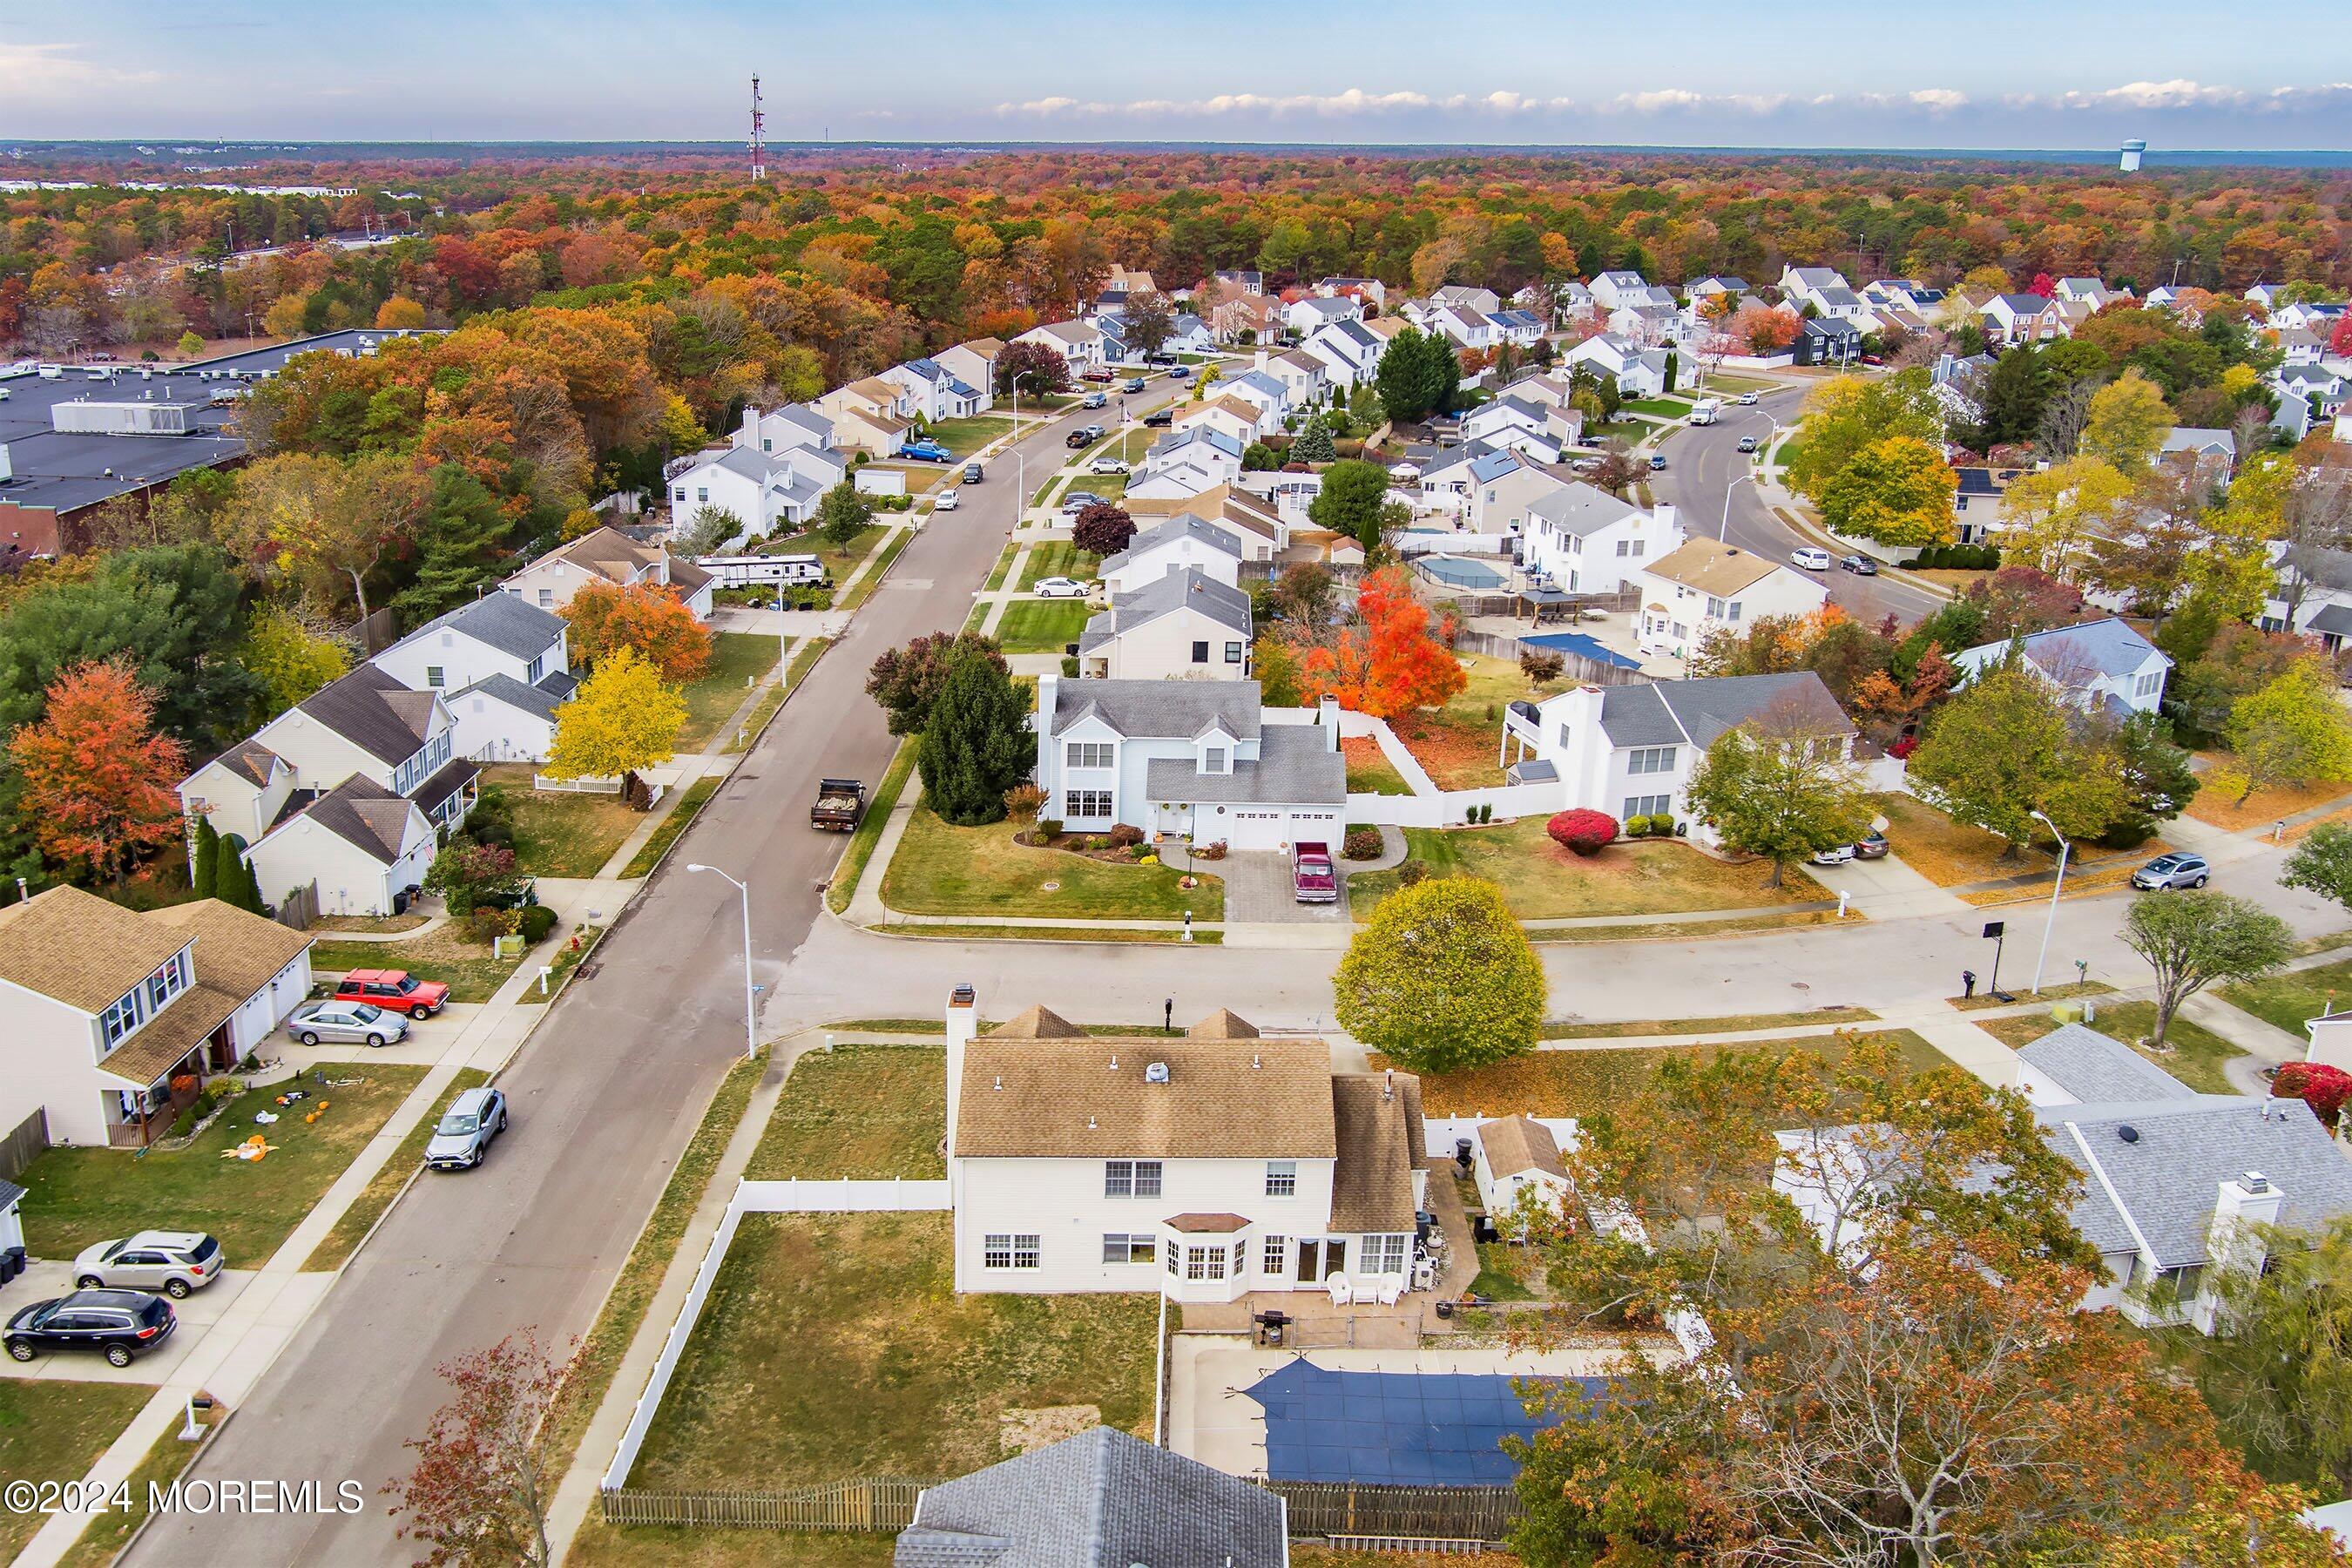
column 2265, row 1044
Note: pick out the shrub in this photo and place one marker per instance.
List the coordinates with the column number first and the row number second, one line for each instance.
column 1051, row 827
column 1541, row 664
column 1025, row 800
column 488, row 925
column 1662, row 826
column 1361, row 843
column 538, row 920
column 1124, row 835
column 1904, row 747
column 1582, row 831
column 1635, row 827
column 184, row 1123
column 1412, row 873
column 1215, row 851
column 1070, row 665
column 2322, row 1088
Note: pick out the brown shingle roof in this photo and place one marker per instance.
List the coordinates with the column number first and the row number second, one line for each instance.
column 1223, row 1024
column 80, row 949
column 1205, row 1223
column 1249, row 1100
column 1515, row 1144
column 1379, row 1144
column 1038, row 1024
column 1714, row 567
column 235, row 951
column 365, row 815
column 172, row 1034
column 250, row 759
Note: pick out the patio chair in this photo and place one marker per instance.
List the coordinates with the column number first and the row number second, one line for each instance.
column 1341, row 1294
column 1391, row 1288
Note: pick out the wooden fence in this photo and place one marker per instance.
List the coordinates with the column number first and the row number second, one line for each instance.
column 24, row 1144
column 1354, row 1508
column 869, row 1503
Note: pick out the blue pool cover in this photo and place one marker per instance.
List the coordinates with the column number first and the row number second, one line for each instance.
column 1442, row 1429
column 1456, row 573
column 1579, row 644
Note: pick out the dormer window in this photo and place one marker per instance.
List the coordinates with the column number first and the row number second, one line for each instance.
column 1212, row 759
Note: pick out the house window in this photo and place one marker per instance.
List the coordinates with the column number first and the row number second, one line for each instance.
column 1735, row 610
column 1282, row 1178
column 1563, row 737
column 702, row 497
column 1205, row 1262
column 1130, row 1178
column 1651, row 760
column 1679, row 631
column 1127, row 1249
column 681, row 492
column 547, row 595
column 1647, row 805
column 1381, row 1255
column 119, row 1019
column 1275, row 1258
column 1087, row 754
column 1714, row 608
column 1085, row 803
column 1233, row 653
column 432, row 675
column 2149, row 685
column 1623, row 547
column 1639, row 545
column 1212, row 759
column 1199, row 652
column 1002, row 1251
column 1175, row 1259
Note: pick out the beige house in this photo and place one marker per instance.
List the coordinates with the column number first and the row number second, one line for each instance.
column 609, row 554
column 1517, row 1155
column 1229, row 415
column 362, row 848
column 1182, row 626
column 101, row 1009
column 1709, row 585
column 974, row 363
column 1256, row 531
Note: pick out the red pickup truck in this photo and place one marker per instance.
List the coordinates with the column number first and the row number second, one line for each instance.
column 1313, row 880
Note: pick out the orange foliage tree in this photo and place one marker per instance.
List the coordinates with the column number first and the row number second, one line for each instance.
column 643, row 616
column 97, row 776
column 1391, row 660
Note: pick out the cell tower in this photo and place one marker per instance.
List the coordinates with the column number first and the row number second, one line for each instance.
column 759, row 135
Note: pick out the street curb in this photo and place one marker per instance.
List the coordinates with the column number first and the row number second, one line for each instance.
column 212, row 1430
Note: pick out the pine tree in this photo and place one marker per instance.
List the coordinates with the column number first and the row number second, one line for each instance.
column 459, row 543
column 1315, row 444
column 975, row 744
column 231, row 876
column 204, row 868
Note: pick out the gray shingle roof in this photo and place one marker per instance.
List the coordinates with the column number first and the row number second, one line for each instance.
column 1293, row 767
column 1183, row 525
column 374, row 712
column 2108, row 647
column 2092, row 1068
column 10, row 1193
column 1101, row 1500
column 1159, row 709
column 1187, row 589
column 507, row 622
column 1637, row 715
column 1697, row 711
column 536, row 700
column 1582, row 510
column 365, row 815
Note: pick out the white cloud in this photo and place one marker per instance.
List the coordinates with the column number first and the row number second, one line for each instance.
column 1939, row 100
column 46, row 72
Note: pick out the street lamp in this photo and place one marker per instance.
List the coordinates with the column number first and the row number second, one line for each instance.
column 1722, row 528
column 751, row 1013
column 2065, row 847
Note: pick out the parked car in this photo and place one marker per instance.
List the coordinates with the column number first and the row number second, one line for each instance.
column 2167, row 872
column 394, row 991
column 1059, row 588
column 1835, row 855
column 1860, row 565
column 1133, row 383
column 1747, row 443
column 1313, row 879
column 1811, row 557
column 1103, row 377
column 1747, row 400
column 121, row 1325
column 1107, row 466
column 1094, row 400
column 462, row 1137
column 973, row 473
column 1181, row 372
column 946, row 500
column 925, row 451
column 1871, row 845
column 173, row 1261
column 1160, row 419
column 1083, row 436
column 1077, row 501
column 345, row 1022
column 1657, row 462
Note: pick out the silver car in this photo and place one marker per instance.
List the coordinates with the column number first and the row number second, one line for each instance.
column 350, row 1022
column 463, row 1134
column 173, row 1261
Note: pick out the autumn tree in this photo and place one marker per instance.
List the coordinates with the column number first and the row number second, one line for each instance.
column 1898, row 492
column 906, row 681
column 2127, row 424
column 2055, row 515
column 2009, row 746
column 1441, row 978
column 621, row 721
column 2321, row 863
column 95, row 779
column 2192, row 940
column 1102, row 529
column 841, row 513
column 1781, row 788
column 647, row 618
column 288, row 659
column 1147, row 322
column 327, row 527
column 1387, row 661
column 484, row 1481
column 1846, row 416
column 2293, row 731
column 1032, row 369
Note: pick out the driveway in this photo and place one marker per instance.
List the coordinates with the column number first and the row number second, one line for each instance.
column 198, row 1315
column 1885, row 887
column 1258, row 892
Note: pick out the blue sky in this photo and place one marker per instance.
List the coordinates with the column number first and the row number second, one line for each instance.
column 1994, row 73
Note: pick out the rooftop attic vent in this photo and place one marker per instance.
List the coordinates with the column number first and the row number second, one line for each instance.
column 2128, row 1132
column 1155, row 1073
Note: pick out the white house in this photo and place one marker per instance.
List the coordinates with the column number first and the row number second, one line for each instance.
column 1182, row 626
column 1180, row 544
column 936, row 392
column 2021, row 318
column 1630, row 751
column 362, row 846
column 1709, row 585
column 1256, row 527
column 1515, row 1159
column 1308, row 315
column 501, row 666
column 1522, row 423
column 1262, row 391
column 1078, row 342
column 764, row 491
column 1185, row 464
column 102, row 1008
column 974, row 363
column 1203, row 758
column 1454, row 480
column 1802, row 286
column 1348, row 350
column 1468, row 297
column 2099, row 664
column 612, row 556
column 1467, row 328
column 1245, row 417
column 1523, row 328
column 795, row 424
column 1615, row 290
column 1586, row 540
column 1306, row 379
column 1638, row 372
column 2090, row 291
column 1369, row 289
column 1206, row 1166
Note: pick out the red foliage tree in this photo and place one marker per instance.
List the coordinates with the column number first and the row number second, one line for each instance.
column 1036, row 369
column 2339, row 341
column 1582, row 830
column 643, row 616
column 1392, row 660
column 1765, row 330
column 1102, row 529
column 484, row 1477
column 97, row 778
column 2043, row 285
column 2322, row 1088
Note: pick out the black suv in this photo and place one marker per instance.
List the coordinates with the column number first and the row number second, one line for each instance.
column 123, row 1325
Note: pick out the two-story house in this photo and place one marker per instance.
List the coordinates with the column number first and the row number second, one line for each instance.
column 935, row 392
column 765, row 492
column 1197, row 759
column 1305, row 380
column 102, row 1009
column 1184, row 464
column 363, row 848
column 502, row 666
column 2101, row 665
column 1630, row 751
column 1307, row 316
column 1348, row 350
column 1255, row 528
column 1707, row 585
column 1205, row 1166
column 1615, row 290
column 1235, row 416
column 1583, row 540
column 2021, row 318
column 1182, row 626
column 1262, row 391
column 1180, row 544
column 1079, row 343
column 1802, row 286
column 795, row 424
column 608, row 554
column 1638, row 372
column 973, row 363
column 1522, row 423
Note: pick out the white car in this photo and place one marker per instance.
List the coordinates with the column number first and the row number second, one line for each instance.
column 1059, row 588
column 1747, row 400
column 948, row 500
column 1835, row 855
column 1811, row 557
column 1107, row 466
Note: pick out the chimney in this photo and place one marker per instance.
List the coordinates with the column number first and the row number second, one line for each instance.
column 1327, row 713
column 963, row 1024
column 1261, row 360
column 2240, row 1206
column 1048, row 686
column 748, row 433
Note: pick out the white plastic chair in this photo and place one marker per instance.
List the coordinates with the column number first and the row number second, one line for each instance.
column 1342, row 1295
column 1391, row 1288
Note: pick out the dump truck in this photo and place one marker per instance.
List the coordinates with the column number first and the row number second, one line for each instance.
column 1313, row 880
column 839, row 804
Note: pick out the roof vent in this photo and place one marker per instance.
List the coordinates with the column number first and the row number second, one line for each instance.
column 2128, row 1132
column 1388, row 1083
column 1090, row 1125
column 999, row 1081
column 1255, row 1063
column 1155, row 1073
column 1114, row 1064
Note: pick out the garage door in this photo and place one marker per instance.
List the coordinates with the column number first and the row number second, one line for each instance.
column 1271, row 828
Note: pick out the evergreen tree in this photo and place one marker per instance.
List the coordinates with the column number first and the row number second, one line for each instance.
column 231, row 876
column 1315, row 444
column 2014, row 395
column 460, row 541
column 204, row 859
column 975, row 743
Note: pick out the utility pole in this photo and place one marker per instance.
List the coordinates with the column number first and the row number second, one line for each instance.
column 759, row 135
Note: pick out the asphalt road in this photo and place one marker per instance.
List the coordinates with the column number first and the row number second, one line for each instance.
column 605, row 1093
column 1704, row 461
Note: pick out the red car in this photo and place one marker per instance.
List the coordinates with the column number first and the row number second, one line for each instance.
column 394, row 990
column 1096, row 375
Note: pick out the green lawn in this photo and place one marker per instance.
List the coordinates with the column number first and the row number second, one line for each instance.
column 863, row 589
column 1041, row 626
column 377, row 1195
column 106, row 1534
column 774, row 696
column 945, row 871
column 1003, row 564
column 891, row 1372
column 558, row 832
column 965, row 437
column 53, row 1431
column 1540, row 880
column 448, row 955
column 569, row 957
column 78, row 1196
column 1666, row 407
column 864, row 1112
column 878, row 807
column 737, row 658
column 681, row 816
column 2288, row 1001
column 1721, row 1025
column 2197, row 1054
column 1054, row 558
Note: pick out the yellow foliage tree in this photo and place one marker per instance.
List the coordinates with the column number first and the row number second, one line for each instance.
column 622, row 719
column 399, row 312
column 2055, row 513
column 2129, row 422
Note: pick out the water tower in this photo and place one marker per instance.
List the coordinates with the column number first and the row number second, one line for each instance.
column 2133, row 149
